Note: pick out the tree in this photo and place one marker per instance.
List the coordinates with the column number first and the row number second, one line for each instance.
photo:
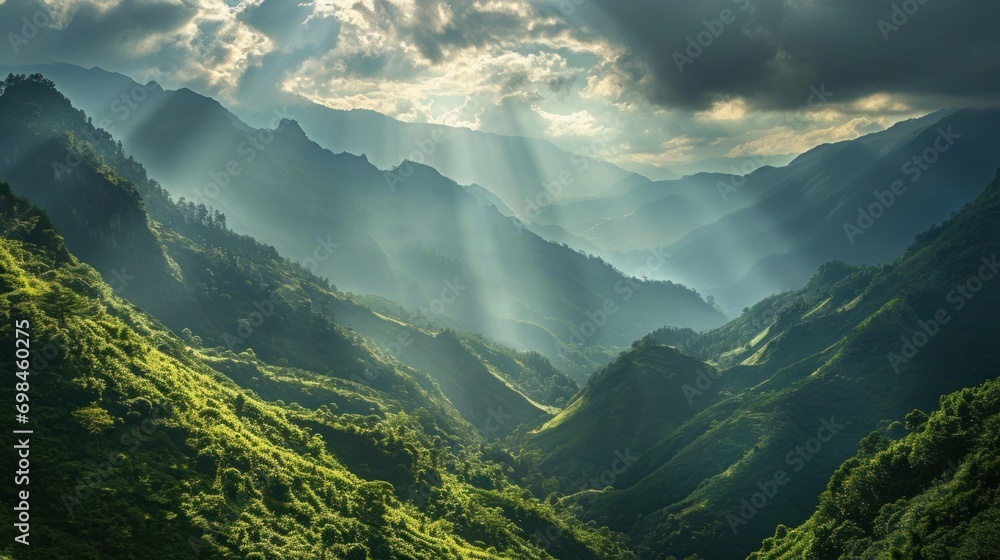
column 61, row 300
column 915, row 420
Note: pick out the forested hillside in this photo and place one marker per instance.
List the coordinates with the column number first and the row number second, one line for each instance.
column 256, row 426
column 931, row 494
column 799, row 380
column 144, row 448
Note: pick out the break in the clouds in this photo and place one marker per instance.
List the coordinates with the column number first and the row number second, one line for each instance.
column 671, row 81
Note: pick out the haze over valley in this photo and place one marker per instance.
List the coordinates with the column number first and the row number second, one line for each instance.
column 528, row 280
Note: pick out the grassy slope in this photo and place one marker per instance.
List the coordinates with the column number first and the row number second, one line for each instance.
column 621, row 409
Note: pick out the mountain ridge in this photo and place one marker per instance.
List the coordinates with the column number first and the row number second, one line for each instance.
column 832, row 352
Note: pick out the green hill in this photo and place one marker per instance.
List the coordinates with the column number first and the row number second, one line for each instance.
column 141, row 448
column 627, row 407
column 195, row 393
column 833, row 354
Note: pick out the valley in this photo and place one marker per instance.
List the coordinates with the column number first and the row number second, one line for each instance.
column 300, row 329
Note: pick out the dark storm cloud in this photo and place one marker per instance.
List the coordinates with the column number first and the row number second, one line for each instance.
column 468, row 25
column 92, row 34
column 772, row 51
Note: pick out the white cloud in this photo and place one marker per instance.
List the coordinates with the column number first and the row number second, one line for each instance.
column 580, row 124
column 728, row 110
column 796, row 141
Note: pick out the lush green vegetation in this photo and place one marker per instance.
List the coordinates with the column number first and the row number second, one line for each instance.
column 931, row 495
column 233, row 292
column 789, row 364
column 276, row 435
column 629, row 406
column 142, row 447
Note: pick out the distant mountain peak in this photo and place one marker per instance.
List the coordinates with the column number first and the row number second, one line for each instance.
column 290, row 124
column 292, row 129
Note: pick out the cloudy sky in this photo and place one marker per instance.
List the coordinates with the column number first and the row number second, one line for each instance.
column 671, row 81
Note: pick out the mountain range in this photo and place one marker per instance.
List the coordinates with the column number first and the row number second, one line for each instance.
column 421, row 240
column 741, row 238
column 311, row 361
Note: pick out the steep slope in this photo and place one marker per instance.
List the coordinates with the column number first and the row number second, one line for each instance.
column 626, row 408
column 230, row 291
column 146, row 450
column 409, row 235
column 105, row 220
column 809, row 374
column 931, row 494
column 516, row 281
